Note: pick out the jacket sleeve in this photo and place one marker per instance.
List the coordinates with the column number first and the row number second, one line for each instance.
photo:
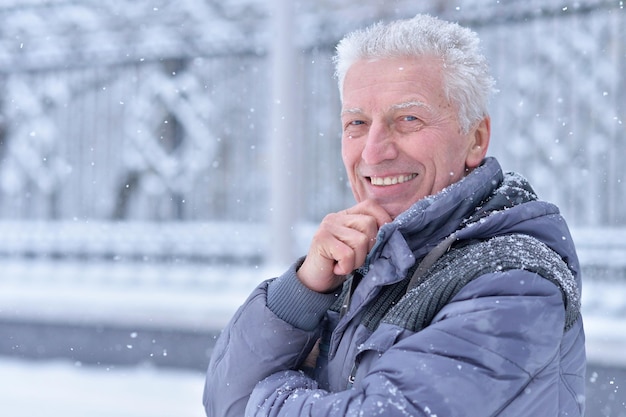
column 259, row 341
column 479, row 354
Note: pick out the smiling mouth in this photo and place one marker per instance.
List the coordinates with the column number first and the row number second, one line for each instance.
column 384, row 181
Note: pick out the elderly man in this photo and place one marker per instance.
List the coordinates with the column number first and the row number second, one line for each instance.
column 449, row 289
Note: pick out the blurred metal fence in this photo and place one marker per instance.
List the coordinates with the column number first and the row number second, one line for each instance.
column 157, row 111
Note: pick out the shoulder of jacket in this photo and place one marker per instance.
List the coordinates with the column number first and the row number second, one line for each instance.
column 462, row 264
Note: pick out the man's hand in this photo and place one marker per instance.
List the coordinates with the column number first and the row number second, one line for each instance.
column 341, row 244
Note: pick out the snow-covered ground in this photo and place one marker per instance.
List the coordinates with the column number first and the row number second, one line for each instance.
column 64, row 389
column 185, row 296
column 68, row 389
column 157, row 295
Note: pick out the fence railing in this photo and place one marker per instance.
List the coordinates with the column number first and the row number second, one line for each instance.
column 602, row 251
column 139, row 242
column 173, row 126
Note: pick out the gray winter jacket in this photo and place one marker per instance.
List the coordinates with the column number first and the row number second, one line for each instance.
column 507, row 341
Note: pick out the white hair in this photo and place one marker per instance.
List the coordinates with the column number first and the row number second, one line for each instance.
column 467, row 81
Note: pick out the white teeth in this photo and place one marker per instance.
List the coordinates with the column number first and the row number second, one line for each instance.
column 392, row 180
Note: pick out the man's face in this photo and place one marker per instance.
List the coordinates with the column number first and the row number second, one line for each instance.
column 401, row 137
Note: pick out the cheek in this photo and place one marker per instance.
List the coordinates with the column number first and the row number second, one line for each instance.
column 451, row 169
column 454, row 153
column 445, row 165
column 345, row 159
column 349, row 155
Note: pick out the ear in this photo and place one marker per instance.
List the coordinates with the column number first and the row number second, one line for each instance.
column 479, row 142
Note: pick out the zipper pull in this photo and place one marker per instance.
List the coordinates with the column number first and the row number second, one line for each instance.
column 352, row 376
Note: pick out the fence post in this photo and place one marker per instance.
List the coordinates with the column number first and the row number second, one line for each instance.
column 284, row 143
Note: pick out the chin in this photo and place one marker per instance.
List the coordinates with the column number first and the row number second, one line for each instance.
column 393, row 211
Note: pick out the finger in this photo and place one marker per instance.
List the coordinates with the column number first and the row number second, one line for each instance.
column 336, row 244
column 344, row 226
column 349, row 255
column 373, row 209
column 326, row 264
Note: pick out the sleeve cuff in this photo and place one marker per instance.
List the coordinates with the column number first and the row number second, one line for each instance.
column 294, row 303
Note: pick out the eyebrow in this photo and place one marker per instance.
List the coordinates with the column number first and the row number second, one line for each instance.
column 398, row 106
column 408, row 104
column 355, row 110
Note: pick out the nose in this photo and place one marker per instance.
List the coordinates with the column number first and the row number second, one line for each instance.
column 379, row 145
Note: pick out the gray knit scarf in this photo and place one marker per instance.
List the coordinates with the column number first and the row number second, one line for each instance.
column 413, row 304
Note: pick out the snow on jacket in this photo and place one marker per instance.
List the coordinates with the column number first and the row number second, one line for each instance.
column 499, row 347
